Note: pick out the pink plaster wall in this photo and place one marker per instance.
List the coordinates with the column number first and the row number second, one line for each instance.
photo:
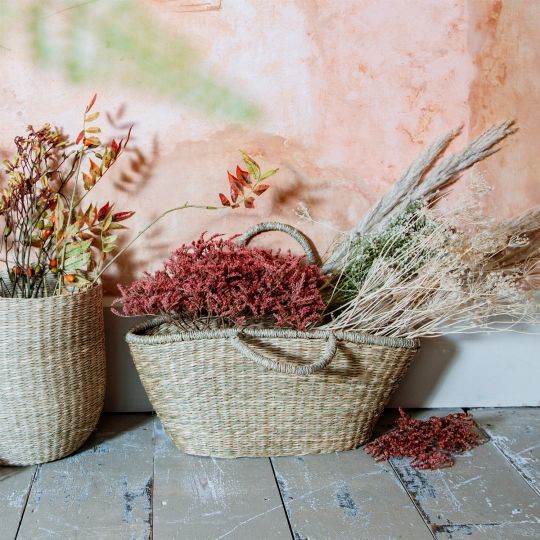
column 504, row 41
column 349, row 92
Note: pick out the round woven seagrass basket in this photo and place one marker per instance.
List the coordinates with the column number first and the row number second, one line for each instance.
column 52, row 374
column 267, row 391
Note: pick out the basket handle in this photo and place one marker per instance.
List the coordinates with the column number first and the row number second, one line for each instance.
column 301, row 238
column 286, row 367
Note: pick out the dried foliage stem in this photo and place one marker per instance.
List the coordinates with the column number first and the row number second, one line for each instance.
column 222, row 282
column 48, row 238
column 149, row 226
column 79, row 160
column 244, row 187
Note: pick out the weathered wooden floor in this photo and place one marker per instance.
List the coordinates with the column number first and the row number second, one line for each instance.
column 129, row 482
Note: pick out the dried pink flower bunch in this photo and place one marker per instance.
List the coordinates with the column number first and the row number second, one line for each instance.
column 430, row 443
column 220, row 280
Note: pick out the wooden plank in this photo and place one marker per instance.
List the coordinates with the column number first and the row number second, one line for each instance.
column 346, row 495
column 15, row 484
column 496, row 531
column 516, row 433
column 481, row 496
column 200, row 498
column 103, row 491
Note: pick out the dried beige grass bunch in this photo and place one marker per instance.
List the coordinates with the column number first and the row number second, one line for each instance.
column 410, row 270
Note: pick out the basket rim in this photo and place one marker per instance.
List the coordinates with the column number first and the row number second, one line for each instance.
column 134, row 336
column 83, row 291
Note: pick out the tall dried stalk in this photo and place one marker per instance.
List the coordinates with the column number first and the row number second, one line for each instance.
column 425, row 179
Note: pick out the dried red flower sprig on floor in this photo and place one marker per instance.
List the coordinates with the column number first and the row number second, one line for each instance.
column 429, row 443
column 218, row 279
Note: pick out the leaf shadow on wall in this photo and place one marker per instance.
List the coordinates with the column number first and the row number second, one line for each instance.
column 124, row 43
column 141, row 163
column 299, row 188
column 136, row 168
column 140, row 170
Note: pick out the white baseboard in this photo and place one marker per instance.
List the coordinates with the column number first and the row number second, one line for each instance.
column 480, row 370
column 496, row 370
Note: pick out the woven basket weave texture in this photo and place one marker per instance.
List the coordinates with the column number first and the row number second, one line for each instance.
column 52, row 375
column 214, row 400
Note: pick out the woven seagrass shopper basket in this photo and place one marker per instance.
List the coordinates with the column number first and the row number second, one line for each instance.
column 52, row 374
column 267, row 392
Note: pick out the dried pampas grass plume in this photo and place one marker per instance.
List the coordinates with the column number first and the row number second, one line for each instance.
column 426, row 178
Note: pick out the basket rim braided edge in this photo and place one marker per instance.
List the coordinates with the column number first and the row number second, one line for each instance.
column 136, row 335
